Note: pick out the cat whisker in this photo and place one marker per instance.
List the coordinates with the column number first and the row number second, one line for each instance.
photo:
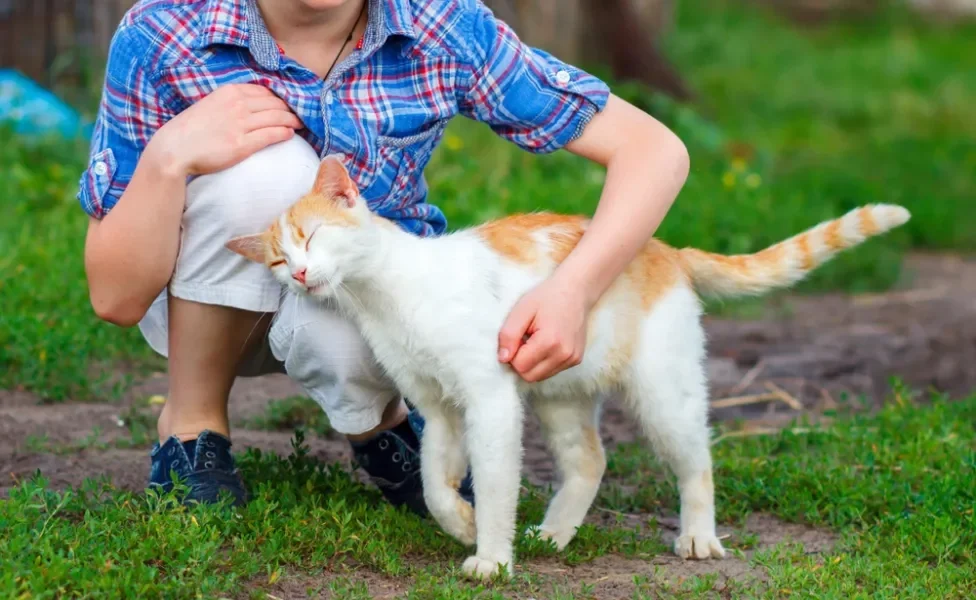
column 353, row 296
column 254, row 327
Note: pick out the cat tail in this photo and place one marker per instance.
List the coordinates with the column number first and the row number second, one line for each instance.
column 789, row 261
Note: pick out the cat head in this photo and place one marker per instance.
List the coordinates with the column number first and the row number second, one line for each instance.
column 321, row 241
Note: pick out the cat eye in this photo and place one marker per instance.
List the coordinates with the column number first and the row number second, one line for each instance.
column 308, row 242
column 276, row 263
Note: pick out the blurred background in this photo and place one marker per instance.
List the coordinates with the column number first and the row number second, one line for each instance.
column 794, row 111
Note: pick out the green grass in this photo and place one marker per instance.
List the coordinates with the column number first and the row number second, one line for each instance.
column 292, row 413
column 895, row 486
column 50, row 340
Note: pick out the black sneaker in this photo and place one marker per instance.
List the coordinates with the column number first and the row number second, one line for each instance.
column 204, row 465
column 392, row 460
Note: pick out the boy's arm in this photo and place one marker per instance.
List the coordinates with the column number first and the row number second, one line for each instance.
column 646, row 167
column 542, row 104
column 135, row 186
column 130, row 253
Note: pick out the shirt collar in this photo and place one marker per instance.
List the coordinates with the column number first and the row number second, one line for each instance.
column 239, row 23
column 398, row 17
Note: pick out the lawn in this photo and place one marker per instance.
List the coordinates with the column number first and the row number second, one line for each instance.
column 896, row 488
column 791, row 127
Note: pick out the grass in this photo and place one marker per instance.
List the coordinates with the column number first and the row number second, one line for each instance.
column 895, row 486
column 292, row 413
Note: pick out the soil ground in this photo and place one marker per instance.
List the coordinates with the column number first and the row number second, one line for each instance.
column 816, row 350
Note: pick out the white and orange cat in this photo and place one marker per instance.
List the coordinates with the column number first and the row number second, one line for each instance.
column 431, row 310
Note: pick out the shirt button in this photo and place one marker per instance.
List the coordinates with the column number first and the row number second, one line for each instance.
column 329, row 97
column 562, row 77
column 100, row 168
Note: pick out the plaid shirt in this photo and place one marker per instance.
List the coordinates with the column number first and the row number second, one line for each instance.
column 384, row 107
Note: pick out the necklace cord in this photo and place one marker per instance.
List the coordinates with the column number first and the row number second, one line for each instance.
column 348, row 39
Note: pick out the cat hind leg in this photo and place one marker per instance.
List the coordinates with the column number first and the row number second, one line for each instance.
column 668, row 394
column 572, row 432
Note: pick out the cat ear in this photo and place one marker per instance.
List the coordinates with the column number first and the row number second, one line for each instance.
column 251, row 247
column 333, row 181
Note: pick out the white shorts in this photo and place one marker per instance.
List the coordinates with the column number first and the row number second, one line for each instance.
column 310, row 341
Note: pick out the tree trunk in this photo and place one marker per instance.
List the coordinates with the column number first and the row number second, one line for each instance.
column 946, row 9
column 619, row 33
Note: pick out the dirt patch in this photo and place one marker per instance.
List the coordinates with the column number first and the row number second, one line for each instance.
column 328, row 585
column 607, row 577
column 823, row 348
column 127, row 469
column 69, row 442
column 612, row 576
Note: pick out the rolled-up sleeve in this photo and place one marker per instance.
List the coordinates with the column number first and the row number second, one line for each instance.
column 129, row 113
column 524, row 94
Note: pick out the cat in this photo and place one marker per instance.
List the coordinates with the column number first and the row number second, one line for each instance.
column 431, row 310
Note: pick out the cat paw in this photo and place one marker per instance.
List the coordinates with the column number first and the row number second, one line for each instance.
column 560, row 538
column 483, row 568
column 464, row 530
column 456, row 518
column 698, row 546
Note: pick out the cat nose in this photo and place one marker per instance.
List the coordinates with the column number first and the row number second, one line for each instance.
column 299, row 276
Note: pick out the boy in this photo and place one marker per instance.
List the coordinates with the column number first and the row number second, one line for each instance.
column 212, row 122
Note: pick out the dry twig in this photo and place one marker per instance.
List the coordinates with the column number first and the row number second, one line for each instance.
column 744, row 400
column 784, row 396
column 756, row 432
column 749, row 377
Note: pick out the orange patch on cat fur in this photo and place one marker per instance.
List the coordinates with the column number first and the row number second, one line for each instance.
column 832, row 236
column 463, row 509
column 866, row 223
column 652, row 272
column 770, row 258
column 512, row 236
column 592, row 461
column 707, row 482
column 332, row 195
column 273, row 240
column 317, row 206
column 803, row 246
column 708, row 486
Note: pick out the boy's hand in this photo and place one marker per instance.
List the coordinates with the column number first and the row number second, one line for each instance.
column 553, row 316
column 224, row 128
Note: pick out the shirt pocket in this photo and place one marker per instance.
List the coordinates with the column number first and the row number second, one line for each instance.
column 400, row 165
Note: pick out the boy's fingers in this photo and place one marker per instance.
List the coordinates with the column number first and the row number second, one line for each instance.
column 545, row 369
column 265, row 103
column 260, row 138
column 514, row 329
column 273, row 118
column 531, row 355
column 253, row 89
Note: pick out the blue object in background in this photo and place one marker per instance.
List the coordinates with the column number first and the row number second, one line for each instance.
column 34, row 111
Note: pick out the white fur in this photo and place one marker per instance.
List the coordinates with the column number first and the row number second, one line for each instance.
column 431, row 310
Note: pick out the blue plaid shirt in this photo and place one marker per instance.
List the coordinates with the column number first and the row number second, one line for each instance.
column 384, row 107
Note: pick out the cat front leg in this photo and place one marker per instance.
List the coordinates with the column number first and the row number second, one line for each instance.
column 493, row 418
column 442, row 466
